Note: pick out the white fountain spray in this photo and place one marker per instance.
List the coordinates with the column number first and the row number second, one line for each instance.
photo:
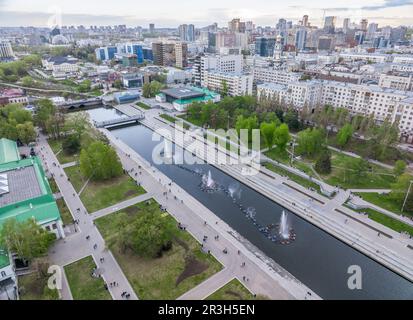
column 210, row 182
column 284, row 227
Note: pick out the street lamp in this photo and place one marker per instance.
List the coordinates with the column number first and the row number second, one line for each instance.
column 407, row 194
column 293, row 151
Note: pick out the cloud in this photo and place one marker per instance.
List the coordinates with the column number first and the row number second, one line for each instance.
column 389, row 4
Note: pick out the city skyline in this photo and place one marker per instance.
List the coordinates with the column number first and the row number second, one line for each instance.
column 20, row 13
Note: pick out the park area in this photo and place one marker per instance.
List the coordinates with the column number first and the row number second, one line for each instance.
column 347, row 172
column 98, row 195
column 233, row 290
column 81, row 282
column 33, row 286
column 62, row 156
column 179, row 266
column 387, row 221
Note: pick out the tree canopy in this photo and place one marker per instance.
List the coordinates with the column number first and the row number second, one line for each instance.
column 99, row 161
column 27, row 239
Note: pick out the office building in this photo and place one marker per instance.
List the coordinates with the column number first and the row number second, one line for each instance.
column 264, row 46
column 330, row 24
column 181, row 55
column 300, row 39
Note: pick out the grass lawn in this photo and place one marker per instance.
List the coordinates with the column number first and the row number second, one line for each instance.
column 387, row 221
column 378, row 178
column 384, row 201
column 100, row 195
column 75, row 177
column 82, row 285
column 174, row 120
column 195, row 122
column 180, row 269
column 285, row 158
column 63, row 158
column 64, row 212
column 53, row 185
column 234, row 290
column 33, row 287
column 103, row 194
column 301, row 181
column 143, row 105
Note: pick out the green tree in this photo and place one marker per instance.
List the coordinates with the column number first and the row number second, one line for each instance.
column 27, row 239
column 26, row 132
column 399, row 192
column 282, row 137
column 323, row 163
column 100, row 162
column 292, row 120
column 85, row 86
column 224, row 89
column 150, row 235
column 27, row 81
column 71, row 144
column 44, row 111
column 399, row 168
column 117, row 84
column 344, row 135
column 267, row 132
column 310, row 142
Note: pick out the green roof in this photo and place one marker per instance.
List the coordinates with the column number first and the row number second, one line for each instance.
column 209, row 95
column 8, row 151
column 42, row 208
column 4, row 259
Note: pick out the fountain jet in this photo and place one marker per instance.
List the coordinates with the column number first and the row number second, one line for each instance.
column 284, row 227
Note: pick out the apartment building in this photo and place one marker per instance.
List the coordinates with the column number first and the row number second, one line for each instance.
column 297, row 94
column 367, row 57
column 402, row 82
column 238, row 84
column 272, row 75
column 405, row 59
column 218, row 63
column 382, row 103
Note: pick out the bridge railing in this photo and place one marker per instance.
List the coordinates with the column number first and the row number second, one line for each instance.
column 102, row 124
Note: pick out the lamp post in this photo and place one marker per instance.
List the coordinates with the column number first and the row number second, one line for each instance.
column 292, row 154
column 407, row 194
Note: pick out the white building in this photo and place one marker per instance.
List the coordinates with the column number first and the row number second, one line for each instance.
column 405, row 59
column 273, row 75
column 216, row 63
column 6, row 51
column 376, row 58
column 8, row 281
column 296, row 94
column 400, row 67
column 238, row 84
column 396, row 81
column 61, row 67
column 391, row 104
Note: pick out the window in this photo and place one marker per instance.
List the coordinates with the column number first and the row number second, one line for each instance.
column 3, row 274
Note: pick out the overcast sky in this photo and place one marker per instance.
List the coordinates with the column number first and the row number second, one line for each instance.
column 171, row 13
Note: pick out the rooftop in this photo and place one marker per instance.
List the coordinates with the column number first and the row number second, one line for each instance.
column 29, row 193
column 183, row 93
column 8, row 151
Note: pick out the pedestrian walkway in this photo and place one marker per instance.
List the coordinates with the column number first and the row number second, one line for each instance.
column 121, row 206
column 76, row 246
